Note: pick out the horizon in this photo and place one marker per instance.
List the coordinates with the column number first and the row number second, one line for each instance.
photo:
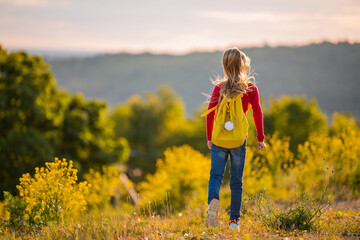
column 68, row 52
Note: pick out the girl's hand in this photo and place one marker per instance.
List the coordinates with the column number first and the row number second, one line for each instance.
column 261, row 146
column 209, row 143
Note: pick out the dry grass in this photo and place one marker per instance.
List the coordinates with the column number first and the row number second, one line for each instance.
column 188, row 224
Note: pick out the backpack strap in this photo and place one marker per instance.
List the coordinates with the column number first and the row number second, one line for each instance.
column 208, row 111
column 229, row 101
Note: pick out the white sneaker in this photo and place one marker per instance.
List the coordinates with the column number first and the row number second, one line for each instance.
column 212, row 212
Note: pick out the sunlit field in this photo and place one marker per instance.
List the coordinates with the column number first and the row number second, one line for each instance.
column 71, row 169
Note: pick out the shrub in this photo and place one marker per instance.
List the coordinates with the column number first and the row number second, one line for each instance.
column 264, row 169
column 52, row 194
column 181, row 175
column 105, row 185
column 304, row 215
column 102, row 185
column 16, row 208
column 339, row 154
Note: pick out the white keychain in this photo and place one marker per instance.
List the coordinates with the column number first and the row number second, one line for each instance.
column 229, row 126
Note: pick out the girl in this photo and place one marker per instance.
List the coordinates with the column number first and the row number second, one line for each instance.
column 235, row 82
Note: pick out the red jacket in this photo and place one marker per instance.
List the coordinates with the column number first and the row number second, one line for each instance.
column 250, row 98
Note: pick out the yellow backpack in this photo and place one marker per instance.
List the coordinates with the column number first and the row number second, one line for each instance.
column 230, row 124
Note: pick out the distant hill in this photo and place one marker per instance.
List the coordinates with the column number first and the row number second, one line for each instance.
column 329, row 72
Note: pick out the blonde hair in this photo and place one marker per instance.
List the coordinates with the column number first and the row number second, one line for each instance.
column 237, row 73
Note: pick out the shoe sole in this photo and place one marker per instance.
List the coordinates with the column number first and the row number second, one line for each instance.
column 212, row 212
column 233, row 228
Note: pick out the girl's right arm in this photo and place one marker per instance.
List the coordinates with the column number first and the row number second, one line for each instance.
column 210, row 117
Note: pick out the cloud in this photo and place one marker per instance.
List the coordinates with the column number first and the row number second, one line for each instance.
column 346, row 18
column 255, row 16
column 229, row 16
column 32, row 3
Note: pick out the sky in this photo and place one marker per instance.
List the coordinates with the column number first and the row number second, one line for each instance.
column 173, row 26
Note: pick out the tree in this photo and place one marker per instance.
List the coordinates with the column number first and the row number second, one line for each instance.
column 149, row 123
column 88, row 137
column 39, row 122
column 28, row 115
column 294, row 117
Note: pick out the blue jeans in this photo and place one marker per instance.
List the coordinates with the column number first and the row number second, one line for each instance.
column 219, row 157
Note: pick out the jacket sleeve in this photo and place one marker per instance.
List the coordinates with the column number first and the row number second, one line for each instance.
column 257, row 114
column 210, row 117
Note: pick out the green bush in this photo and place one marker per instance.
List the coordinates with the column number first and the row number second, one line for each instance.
column 304, row 215
column 16, row 207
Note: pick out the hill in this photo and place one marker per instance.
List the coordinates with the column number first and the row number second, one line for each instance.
column 329, row 72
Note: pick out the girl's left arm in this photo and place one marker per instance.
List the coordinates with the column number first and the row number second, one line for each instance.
column 257, row 114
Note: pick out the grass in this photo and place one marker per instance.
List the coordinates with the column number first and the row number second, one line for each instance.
column 304, row 214
column 188, row 224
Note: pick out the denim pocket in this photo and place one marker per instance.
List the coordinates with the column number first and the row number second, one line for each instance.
column 215, row 148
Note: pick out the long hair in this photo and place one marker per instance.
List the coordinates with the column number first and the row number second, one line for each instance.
column 237, row 73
